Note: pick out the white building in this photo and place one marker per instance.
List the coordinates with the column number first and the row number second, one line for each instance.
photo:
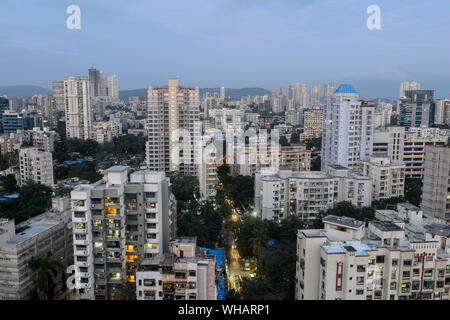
column 383, row 113
column 347, row 130
column 388, row 178
column 105, row 131
column 304, row 194
column 47, row 232
column 36, row 166
column 436, row 182
column 174, row 128
column 400, row 256
column 79, row 114
column 227, row 119
column 113, row 88
column 117, row 222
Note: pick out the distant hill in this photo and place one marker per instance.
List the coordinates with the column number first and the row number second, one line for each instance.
column 28, row 91
column 235, row 94
column 23, row 91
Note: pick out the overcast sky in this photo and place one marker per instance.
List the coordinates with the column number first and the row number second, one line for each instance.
column 231, row 43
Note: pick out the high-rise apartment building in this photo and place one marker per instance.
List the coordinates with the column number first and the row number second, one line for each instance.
column 328, row 91
column 402, row 255
column 117, row 222
column 58, row 94
column 174, row 128
column 436, row 182
column 315, row 96
column 222, row 93
column 406, row 85
column 36, row 166
column 4, row 105
column 44, row 139
column 442, row 112
column 347, row 136
column 113, row 88
column 184, row 273
column 97, row 82
column 79, row 115
column 417, row 108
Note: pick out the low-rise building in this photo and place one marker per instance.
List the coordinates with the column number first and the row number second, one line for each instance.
column 304, row 194
column 388, row 178
column 50, row 232
column 402, row 255
column 184, row 273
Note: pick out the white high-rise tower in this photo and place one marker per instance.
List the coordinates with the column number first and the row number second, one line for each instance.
column 347, row 129
column 79, row 116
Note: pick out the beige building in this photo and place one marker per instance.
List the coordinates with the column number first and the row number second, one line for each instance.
column 312, row 121
column 436, row 182
column 388, row 178
column 36, row 166
column 44, row 139
column 174, row 128
column 402, row 255
column 184, row 273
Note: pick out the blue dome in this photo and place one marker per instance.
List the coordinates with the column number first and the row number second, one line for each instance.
column 346, row 88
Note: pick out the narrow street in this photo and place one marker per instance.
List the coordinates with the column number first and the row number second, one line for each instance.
column 235, row 264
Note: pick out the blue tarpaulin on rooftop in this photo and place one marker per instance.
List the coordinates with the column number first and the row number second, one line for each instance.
column 220, row 260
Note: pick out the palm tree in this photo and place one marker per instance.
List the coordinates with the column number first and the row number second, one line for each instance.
column 46, row 270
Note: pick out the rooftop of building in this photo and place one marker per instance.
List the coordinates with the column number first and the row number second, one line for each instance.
column 312, row 233
column 35, row 226
column 438, row 229
column 337, row 166
column 359, row 248
column 408, row 206
column 346, row 88
column 346, row 221
column 117, row 169
column 385, row 225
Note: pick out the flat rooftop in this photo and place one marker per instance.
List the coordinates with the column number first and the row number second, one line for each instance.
column 346, row 221
column 386, row 225
column 438, row 229
column 408, row 206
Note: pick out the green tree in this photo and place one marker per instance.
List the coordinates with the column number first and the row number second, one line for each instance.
column 9, row 183
column 252, row 236
column 46, row 270
column 413, row 191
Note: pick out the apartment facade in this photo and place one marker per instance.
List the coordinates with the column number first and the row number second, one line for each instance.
column 312, row 122
column 348, row 128
column 394, row 258
column 106, row 131
column 174, row 128
column 408, row 146
column 44, row 139
column 304, row 194
column 118, row 222
column 35, row 165
column 388, row 178
column 184, row 273
column 436, row 186
column 78, row 108
column 50, row 232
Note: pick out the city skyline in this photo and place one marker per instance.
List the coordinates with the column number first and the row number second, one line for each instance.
column 229, row 44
